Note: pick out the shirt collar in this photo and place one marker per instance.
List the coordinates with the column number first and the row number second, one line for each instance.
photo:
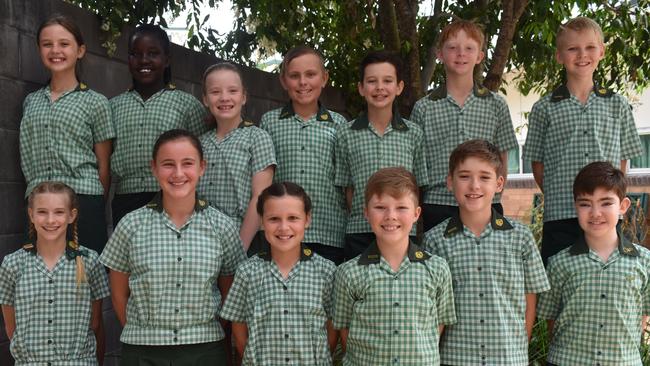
column 305, row 252
column 372, row 255
column 169, row 86
column 322, row 115
column 156, row 203
column 441, row 92
column 246, row 123
column 70, row 252
column 625, row 247
column 397, row 122
column 497, row 221
column 562, row 92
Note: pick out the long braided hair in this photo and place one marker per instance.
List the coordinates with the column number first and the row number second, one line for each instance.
column 60, row 188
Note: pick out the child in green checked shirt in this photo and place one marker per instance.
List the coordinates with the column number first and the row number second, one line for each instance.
column 392, row 301
column 51, row 290
column 376, row 139
column 240, row 155
column 600, row 285
column 579, row 122
column 281, row 299
column 495, row 265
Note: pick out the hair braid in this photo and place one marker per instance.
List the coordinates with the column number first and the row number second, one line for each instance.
column 81, row 273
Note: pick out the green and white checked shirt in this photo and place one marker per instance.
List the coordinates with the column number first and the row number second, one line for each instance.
column 57, row 138
column 305, row 154
column 173, row 273
column 446, row 125
column 139, row 123
column 491, row 274
column 565, row 136
column 361, row 151
column 597, row 305
column 232, row 162
column 285, row 318
column 52, row 313
column 393, row 317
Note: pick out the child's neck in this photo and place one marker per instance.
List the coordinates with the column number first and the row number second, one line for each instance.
column 580, row 87
column 393, row 252
column 460, row 87
column 475, row 221
column 604, row 246
column 50, row 251
column 380, row 118
column 305, row 111
column 286, row 261
column 224, row 127
column 179, row 209
column 62, row 82
column 146, row 91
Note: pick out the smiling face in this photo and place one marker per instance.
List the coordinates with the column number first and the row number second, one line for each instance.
column 391, row 218
column 284, row 222
column 147, row 60
column 474, row 183
column 459, row 54
column 598, row 212
column 304, row 79
column 178, row 167
column 380, row 86
column 224, row 95
column 58, row 49
column 580, row 52
column 50, row 213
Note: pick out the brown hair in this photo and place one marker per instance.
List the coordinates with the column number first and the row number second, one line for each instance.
column 579, row 24
column 297, row 52
column 395, row 182
column 379, row 57
column 280, row 190
column 69, row 25
column 472, row 30
column 209, row 118
column 173, row 135
column 60, row 188
column 480, row 149
column 599, row 174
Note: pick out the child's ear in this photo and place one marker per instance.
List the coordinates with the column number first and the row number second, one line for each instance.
column 308, row 220
column 400, row 87
column 625, row 205
column 360, row 88
column 30, row 214
column 365, row 211
column 450, row 182
column 81, row 52
column 202, row 166
column 500, row 182
column 481, row 55
column 326, row 77
column 73, row 215
column 439, row 55
column 282, row 82
column 418, row 211
column 205, row 101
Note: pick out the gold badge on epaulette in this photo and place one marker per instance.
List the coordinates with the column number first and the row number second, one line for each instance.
column 28, row 246
column 498, row 222
column 602, row 91
column 482, row 91
column 628, row 250
column 373, row 256
column 248, row 123
column 171, row 86
column 152, row 205
column 324, row 116
column 419, row 255
column 306, row 252
column 452, row 229
column 202, row 203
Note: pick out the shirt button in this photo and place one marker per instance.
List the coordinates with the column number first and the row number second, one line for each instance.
column 178, row 285
column 50, row 301
column 287, row 359
column 49, row 321
column 179, row 259
column 602, row 296
column 396, row 304
column 286, row 312
column 599, row 353
column 395, row 360
column 175, row 331
column 49, row 341
column 286, row 336
column 302, row 148
column 396, row 331
column 51, row 281
column 585, row 132
column 302, row 171
column 175, row 339
column 209, row 183
column 601, row 326
column 480, row 295
column 285, row 288
column 177, row 310
column 586, row 154
column 482, row 321
column 478, row 268
column 178, row 236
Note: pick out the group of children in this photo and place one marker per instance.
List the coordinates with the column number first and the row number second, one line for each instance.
column 187, row 208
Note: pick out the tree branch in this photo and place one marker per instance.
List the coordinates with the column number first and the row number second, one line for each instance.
column 388, row 28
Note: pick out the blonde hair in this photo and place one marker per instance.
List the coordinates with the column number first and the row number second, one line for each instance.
column 394, row 181
column 60, row 188
column 579, row 24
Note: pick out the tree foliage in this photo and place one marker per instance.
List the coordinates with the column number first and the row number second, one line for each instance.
column 520, row 33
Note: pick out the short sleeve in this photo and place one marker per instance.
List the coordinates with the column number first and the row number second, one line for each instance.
column 343, row 299
column 505, row 137
column 262, row 151
column 328, row 290
column 117, row 253
column 535, row 280
column 97, row 279
column 236, row 303
column 8, row 278
column 232, row 247
column 445, row 295
column 537, row 120
column 194, row 116
column 549, row 303
column 417, row 115
column 630, row 140
column 102, row 121
column 342, row 174
column 419, row 161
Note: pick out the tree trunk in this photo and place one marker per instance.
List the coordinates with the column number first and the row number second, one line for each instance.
column 406, row 12
column 388, row 29
column 512, row 11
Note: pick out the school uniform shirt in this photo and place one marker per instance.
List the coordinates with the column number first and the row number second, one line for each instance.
column 393, row 316
column 361, row 151
column 597, row 305
column 305, row 154
column 565, row 136
column 491, row 275
column 285, row 317
column 57, row 138
column 484, row 115
column 53, row 313
column 139, row 123
column 173, row 273
column 231, row 164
